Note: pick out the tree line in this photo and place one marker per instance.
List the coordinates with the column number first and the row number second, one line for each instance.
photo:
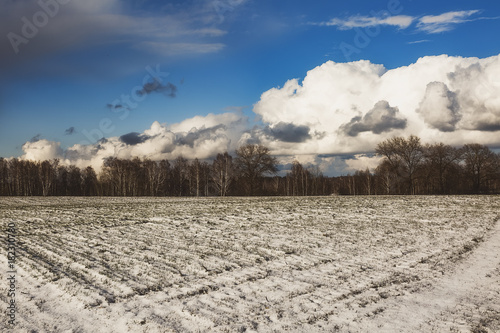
column 251, row 172
column 407, row 167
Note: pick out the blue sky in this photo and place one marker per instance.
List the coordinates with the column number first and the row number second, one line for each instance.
column 221, row 56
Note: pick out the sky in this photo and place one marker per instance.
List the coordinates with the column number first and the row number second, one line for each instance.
column 321, row 82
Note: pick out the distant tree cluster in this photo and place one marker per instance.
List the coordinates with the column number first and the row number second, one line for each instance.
column 408, row 167
column 251, row 172
column 27, row 178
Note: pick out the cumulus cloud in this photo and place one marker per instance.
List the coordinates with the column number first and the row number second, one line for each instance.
column 382, row 118
column 41, row 150
column 288, row 132
column 133, row 138
column 478, row 87
column 198, row 137
column 363, row 162
column 440, row 108
column 338, row 99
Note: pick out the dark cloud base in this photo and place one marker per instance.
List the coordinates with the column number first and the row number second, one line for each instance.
column 382, row 118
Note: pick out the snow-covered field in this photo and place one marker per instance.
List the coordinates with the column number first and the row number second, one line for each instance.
column 346, row 264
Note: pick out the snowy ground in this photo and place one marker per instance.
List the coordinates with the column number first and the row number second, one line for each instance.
column 330, row 264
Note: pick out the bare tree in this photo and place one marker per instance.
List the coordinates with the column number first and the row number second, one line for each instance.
column 155, row 176
column 180, row 176
column 481, row 165
column 195, row 177
column 62, row 180
column 366, row 180
column 253, row 162
column 205, row 177
column 440, row 162
column 90, row 183
column 4, row 177
column 166, row 171
column 222, row 173
column 47, row 174
column 316, row 178
column 136, row 177
column 113, row 176
column 405, row 156
column 386, row 178
column 300, row 179
column 74, row 180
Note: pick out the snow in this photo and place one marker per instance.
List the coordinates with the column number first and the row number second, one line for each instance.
column 322, row 264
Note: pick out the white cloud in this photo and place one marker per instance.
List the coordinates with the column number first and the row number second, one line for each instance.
column 362, row 162
column 478, row 92
column 358, row 21
column 198, row 137
column 439, row 107
column 465, row 101
column 430, row 24
column 419, row 41
column 42, row 150
column 444, row 22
